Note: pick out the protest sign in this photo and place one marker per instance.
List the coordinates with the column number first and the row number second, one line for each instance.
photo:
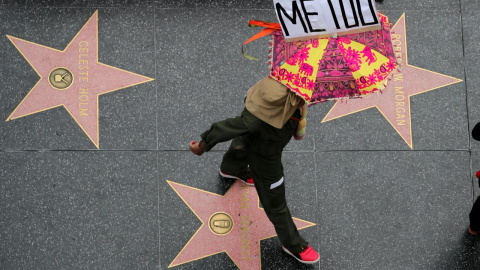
column 303, row 19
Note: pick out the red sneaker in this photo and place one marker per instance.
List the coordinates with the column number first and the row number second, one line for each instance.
column 248, row 181
column 308, row 255
column 472, row 232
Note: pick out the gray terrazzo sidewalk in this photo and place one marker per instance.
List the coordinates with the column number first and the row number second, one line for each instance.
column 375, row 202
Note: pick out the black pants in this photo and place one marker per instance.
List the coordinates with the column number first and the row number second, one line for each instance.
column 475, row 216
column 262, row 152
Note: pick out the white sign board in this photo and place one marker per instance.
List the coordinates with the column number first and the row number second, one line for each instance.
column 301, row 19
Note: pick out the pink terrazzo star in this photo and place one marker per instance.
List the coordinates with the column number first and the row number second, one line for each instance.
column 394, row 102
column 72, row 78
column 242, row 243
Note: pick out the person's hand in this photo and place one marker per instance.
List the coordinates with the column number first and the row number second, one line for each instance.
column 196, row 148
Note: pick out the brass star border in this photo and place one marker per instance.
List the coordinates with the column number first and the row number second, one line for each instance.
column 394, row 102
column 242, row 243
column 72, row 78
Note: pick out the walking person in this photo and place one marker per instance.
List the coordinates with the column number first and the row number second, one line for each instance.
column 272, row 115
column 475, row 212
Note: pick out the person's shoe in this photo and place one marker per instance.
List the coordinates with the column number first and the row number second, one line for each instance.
column 477, row 174
column 308, row 255
column 248, row 181
column 472, row 232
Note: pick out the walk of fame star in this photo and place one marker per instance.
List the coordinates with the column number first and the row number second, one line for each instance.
column 240, row 208
column 72, row 78
column 394, row 102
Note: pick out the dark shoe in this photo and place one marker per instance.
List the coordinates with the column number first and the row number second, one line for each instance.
column 308, row 255
column 477, row 175
column 476, row 132
column 248, row 181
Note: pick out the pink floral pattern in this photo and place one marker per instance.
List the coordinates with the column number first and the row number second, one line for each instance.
column 302, row 55
column 379, row 40
column 378, row 76
column 334, row 76
column 353, row 58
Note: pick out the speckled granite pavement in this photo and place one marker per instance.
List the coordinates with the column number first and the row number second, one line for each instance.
column 98, row 175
